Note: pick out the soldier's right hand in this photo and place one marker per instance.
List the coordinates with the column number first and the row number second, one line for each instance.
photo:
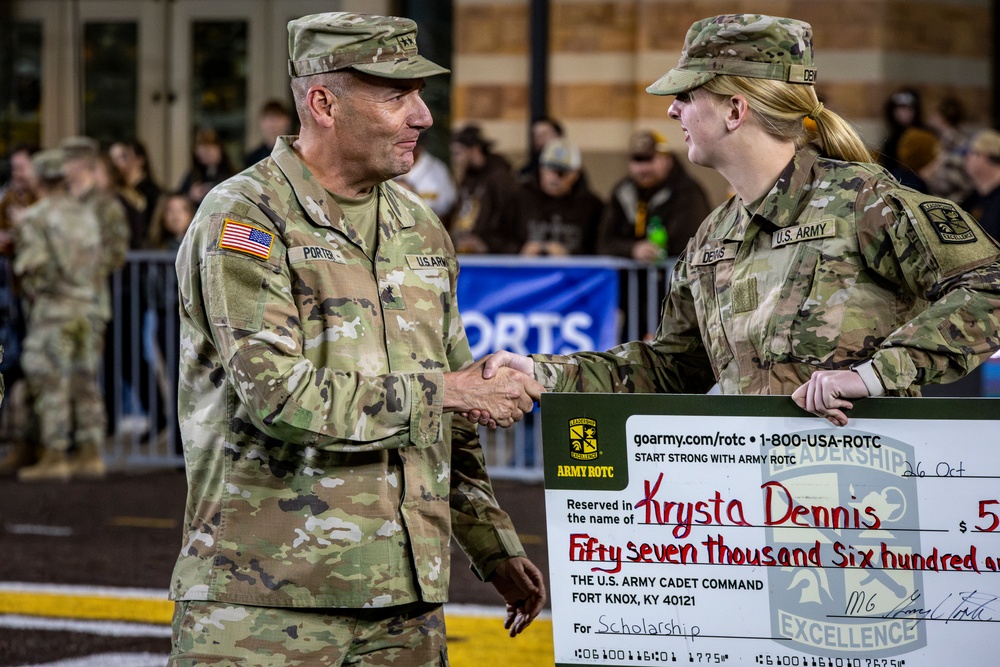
column 505, row 397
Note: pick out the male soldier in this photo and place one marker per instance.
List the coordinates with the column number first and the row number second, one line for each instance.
column 57, row 241
column 81, row 156
column 322, row 359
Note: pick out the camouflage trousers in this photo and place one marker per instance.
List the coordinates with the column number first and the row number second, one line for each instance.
column 60, row 363
column 213, row 634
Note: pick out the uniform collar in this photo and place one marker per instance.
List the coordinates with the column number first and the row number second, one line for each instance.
column 781, row 206
column 321, row 208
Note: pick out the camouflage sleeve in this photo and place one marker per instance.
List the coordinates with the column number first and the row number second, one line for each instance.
column 483, row 530
column 250, row 306
column 114, row 235
column 675, row 361
column 931, row 248
column 32, row 260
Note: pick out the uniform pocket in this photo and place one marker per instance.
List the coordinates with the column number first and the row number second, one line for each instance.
column 712, row 306
column 810, row 323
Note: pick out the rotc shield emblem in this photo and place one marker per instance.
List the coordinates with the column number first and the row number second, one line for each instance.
column 583, row 439
column 948, row 222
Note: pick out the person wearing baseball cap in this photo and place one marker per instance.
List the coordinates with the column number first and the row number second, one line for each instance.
column 559, row 211
column 822, row 278
column 322, row 366
column 655, row 208
column 982, row 164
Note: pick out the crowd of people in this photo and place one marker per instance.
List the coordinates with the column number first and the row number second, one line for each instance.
column 546, row 207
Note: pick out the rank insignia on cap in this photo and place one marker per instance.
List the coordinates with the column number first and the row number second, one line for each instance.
column 948, row 222
column 246, row 238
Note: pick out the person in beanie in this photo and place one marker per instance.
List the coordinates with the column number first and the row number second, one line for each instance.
column 322, row 363
column 822, row 277
column 57, row 241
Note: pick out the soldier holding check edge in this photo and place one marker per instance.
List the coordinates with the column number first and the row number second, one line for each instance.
column 822, row 278
column 322, row 361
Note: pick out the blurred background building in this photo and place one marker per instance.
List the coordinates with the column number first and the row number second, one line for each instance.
column 158, row 70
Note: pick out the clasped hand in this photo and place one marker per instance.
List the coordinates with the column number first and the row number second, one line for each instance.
column 498, row 400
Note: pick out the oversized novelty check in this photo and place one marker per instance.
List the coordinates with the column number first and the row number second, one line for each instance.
column 742, row 531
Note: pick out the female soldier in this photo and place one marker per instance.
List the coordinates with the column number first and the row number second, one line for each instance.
column 822, row 277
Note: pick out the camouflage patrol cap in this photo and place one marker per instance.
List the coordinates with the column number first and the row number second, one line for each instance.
column 77, row 147
column 752, row 45
column 383, row 46
column 50, row 164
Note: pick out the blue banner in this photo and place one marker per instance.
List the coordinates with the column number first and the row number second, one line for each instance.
column 538, row 309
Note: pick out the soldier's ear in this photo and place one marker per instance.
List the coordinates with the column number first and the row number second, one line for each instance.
column 322, row 105
column 738, row 110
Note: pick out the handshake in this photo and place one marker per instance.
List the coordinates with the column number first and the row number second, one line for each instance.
column 497, row 390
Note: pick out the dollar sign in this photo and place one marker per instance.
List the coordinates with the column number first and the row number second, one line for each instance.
column 961, row 526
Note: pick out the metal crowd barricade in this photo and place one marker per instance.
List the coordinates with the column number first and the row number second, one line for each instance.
column 142, row 361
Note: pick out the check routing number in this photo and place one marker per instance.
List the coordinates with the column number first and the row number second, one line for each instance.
column 742, row 531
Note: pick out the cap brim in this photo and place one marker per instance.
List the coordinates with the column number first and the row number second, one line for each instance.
column 679, row 80
column 414, row 67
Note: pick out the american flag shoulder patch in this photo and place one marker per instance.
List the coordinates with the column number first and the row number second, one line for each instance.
column 246, row 238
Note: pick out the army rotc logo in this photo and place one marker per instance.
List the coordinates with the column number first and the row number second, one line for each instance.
column 948, row 222
column 583, row 439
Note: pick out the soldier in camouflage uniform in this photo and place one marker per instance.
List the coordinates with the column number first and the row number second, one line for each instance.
column 57, row 241
column 81, row 160
column 322, row 361
column 823, row 277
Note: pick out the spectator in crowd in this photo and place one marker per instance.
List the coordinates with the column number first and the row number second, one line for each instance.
column 210, row 165
column 327, row 470
column 81, row 179
column 904, row 118
column 110, row 180
column 57, row 241
column 132, row 161
column 946, row 176
column 559, row 210
column 822, row 278
column 656, row 208
column 916, row 151
column 486, row 213
column 171, row 221
column 431, row 179
column 170, row 224
column 982, row 163
column 16, row 197
column 275, row 120
column 543, row 130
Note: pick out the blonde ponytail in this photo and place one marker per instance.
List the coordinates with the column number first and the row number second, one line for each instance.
column 783, row 109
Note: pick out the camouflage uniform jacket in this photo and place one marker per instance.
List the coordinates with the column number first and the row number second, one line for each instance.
column 837, row 264
column 56, row 242
column 321, row 469
column 115, row 232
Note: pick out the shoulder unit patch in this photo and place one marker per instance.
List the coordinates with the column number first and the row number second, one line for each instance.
column 949, row 224
column 245, row 238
